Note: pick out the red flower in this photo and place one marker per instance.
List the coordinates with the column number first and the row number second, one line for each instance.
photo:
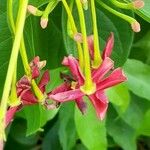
column 24, row 90
column 36, row 65
column 103, row 77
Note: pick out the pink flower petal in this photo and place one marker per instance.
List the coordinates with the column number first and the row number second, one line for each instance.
column 109, row 46
column 44, row 81
column 116, row 77
column 73, row 65
column 101, row 95
column 34, row 67
column 10, row 115
column 28, row 98
column 35, row 72
column 36, row 60
column 24, row 82
column 1, row 144
column 66, row 96
column 105, row 67
column 99, row 105
column 81, row 105
column 90, row 40
column 62, row 88
column 23, row 85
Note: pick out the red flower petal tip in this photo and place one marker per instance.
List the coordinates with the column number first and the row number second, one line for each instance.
column 36, row 65
column 109, row 46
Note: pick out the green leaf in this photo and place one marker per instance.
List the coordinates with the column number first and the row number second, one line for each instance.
column 145, row 125
column 18, row 133
column 51, row 139
column 90, row 129
column 119, row 96
column 37, row 117
column 67, row 131
column 5, row 44
column 121, row 132
column 138, row 75
column 135, row 113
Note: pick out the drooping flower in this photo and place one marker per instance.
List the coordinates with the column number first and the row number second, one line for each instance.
column 104, row 77
column 24, row 89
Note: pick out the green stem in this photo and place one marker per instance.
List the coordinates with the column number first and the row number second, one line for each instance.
column 97, row 56
column 23, row 53
column 49, row 8
column 12, row 63
column 74, row 29
column 88, row 85
column 69, row 29
column 123, row 16
column 13, row 98
column 22, row 45
column 122, row 5
column 38, row 94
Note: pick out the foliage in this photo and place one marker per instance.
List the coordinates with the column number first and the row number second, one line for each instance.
column 127, row 122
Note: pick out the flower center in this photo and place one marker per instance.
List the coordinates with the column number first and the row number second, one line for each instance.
column 88, row 90
column 73, row 85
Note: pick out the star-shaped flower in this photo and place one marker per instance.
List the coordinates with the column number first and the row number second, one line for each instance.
column 104, row 77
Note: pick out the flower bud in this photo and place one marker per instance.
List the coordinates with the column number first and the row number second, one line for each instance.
column 78, row 37
column 138, row 4
column 85, row 4
column 44, row 22
column 41, row 64
column 32, row 9
column 136, row 26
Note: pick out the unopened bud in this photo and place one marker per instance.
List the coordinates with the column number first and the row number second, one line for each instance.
column 44, row 22
column 42, row 64
column 138, row 4
column 136, row 26
column 78, row 37
column 32, row 9
column 85, row 4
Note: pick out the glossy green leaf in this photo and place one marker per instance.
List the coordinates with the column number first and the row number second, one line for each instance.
column 90, row 129
column 67, row 131
column 123, row 134
column 51, row 139
column 134, row 114
column 119, row 96
column 145, row 125
column 36, row 117
column 5, row 44
column 138, row 75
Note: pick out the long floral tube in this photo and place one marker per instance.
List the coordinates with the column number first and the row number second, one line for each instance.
column 12, row 64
